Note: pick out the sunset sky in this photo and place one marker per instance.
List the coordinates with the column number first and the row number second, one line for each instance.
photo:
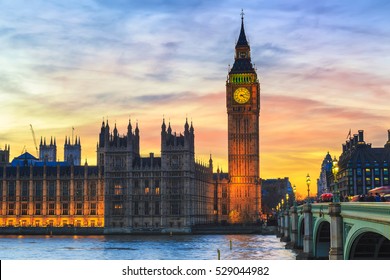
column 324, row 68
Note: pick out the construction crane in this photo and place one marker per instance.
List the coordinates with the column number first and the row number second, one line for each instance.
column 35, row 141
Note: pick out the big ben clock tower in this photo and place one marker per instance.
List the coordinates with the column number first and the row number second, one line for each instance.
column 243, row 109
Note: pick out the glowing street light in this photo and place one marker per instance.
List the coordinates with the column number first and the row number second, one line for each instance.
column 335, row 170
column 286, row 200
column 295, row 195
column 308, row 187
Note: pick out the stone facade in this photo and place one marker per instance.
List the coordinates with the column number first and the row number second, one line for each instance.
column 170, row 193
column 51, row 196
column 323, row 182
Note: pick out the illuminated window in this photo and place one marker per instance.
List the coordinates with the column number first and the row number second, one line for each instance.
column 93, row 209
column 24, row 209
column 38, row 209
column 147, row 187
column 11, row 208
column 51, row 209
column 118, row 190
column 118, row 208
column 65, row 209
column 79, row 209
column 157, row 186
column 385, row 171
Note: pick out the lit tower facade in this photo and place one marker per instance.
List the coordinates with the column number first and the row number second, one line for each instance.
column 243, row 109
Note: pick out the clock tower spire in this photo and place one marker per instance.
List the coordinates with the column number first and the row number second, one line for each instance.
column 243, row 109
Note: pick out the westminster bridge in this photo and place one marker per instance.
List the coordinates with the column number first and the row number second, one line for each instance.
column 337, row 231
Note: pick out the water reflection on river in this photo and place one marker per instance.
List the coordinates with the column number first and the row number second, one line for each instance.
column 179, row 247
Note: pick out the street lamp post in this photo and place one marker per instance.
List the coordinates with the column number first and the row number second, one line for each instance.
column 335, row 170
column 308, row 187
column 295, row 195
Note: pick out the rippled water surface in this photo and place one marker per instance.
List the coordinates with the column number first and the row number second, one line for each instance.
column 180, row 247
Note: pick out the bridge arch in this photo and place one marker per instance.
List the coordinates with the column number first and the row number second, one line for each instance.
column 367, row 244
column 321, row 239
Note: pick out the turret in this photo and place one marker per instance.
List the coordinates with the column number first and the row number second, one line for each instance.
column 186, row 126
column 47, row 153
column 72, row 152
column 129, row 128
column 136, row 129
column 163, row 126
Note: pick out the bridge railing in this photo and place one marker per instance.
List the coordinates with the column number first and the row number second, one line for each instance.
column 378, row 212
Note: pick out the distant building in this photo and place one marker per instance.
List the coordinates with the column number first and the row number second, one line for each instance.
column 72, row 151
column 221, row 197
column 4, row 155
column 48, row 152
column 324, row 181
column 273, row 190
column 362, row 167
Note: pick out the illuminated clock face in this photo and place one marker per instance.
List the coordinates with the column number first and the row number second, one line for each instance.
column 241, row 95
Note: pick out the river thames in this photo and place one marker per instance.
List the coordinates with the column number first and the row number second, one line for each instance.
column 132, row 247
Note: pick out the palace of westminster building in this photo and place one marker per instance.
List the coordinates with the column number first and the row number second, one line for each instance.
column 127, row 193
